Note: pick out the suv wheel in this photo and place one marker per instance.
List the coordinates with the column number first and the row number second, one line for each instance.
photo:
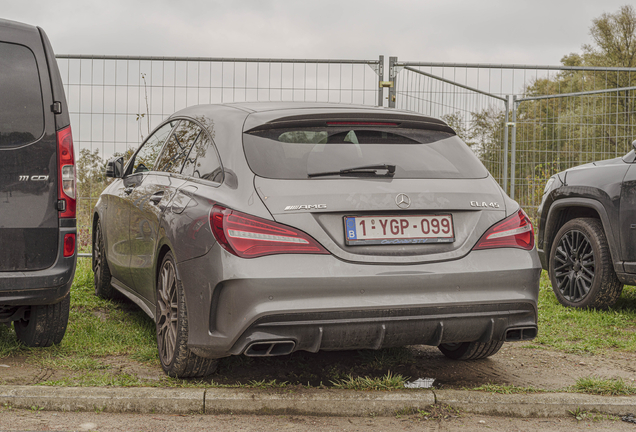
column 172, row 327
column 581, row 268
column 101, row 272
column 470, row 350
column 44, row 325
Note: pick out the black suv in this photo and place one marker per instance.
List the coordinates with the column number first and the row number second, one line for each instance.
column 587, row 231
column 37, row 188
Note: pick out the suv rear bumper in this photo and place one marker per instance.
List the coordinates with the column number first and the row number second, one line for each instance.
column 48, row 286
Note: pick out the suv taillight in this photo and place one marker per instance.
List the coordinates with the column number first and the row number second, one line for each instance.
column 248, row 236
column 515, row 231
column 66, row 173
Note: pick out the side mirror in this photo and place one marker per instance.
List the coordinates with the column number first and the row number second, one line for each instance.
column 115, row 167
column 634, row 144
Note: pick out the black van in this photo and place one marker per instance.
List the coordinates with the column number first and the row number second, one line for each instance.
column 37, row 188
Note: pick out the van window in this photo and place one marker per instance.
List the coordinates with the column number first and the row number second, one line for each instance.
column 21, row 106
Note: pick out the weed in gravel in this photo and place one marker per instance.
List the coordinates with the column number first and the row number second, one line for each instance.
column 264, row 384
column 386, row 382
column 603, row 386
column 580, row 415
column 506, row 389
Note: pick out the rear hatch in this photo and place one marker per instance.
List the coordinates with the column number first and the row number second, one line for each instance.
column 28, row 153
column 382, row 190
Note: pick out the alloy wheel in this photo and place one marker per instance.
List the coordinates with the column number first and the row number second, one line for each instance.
column 168, row 312
column 574, row 266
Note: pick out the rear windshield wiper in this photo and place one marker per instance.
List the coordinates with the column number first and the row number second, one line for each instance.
column 363, row 171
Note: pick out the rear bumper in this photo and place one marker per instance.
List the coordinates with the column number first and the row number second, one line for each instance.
column 48, row 286
column 321, row 303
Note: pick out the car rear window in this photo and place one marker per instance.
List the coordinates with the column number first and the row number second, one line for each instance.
column 299, row 153
column 21, row 107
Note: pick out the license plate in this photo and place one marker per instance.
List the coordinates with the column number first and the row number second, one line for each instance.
column 398, row 230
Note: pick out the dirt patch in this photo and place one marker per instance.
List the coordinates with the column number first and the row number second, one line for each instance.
column 513, row 365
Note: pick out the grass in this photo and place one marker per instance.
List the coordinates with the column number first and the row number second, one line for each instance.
column 507, row 389
column 96, row 328
column 387, row 382
column 586, row 331
column 604, row 387
column 100, row 329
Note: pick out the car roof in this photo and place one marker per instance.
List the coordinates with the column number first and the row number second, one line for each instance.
column 16, row 25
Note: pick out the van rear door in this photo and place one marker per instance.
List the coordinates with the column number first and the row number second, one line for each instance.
column 28, row 153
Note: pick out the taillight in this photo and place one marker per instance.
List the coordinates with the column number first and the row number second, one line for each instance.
column 249, row 236
column 66, row 173
column 515, row 231
column 69, row 245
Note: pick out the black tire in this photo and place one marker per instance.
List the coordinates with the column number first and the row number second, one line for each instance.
column 172, row 327
column 101, row 272
column 44, row 325
column 470, row 350
column 581, row 268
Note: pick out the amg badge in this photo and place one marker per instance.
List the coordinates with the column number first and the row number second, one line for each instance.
column 306, row 207
column 484, row 204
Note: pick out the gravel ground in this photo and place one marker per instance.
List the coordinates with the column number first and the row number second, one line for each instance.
column 13, row 420
column 515, row 365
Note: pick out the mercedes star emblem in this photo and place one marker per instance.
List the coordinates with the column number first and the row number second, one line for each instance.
column 403, row 201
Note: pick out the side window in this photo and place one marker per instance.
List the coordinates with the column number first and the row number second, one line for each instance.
column 203, row 162
column 147, row 155
column 21, row 107
column 178, row 147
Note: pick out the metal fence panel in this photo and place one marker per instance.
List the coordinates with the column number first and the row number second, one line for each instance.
column 524, row 122
column 116, row 101
column 560, row 116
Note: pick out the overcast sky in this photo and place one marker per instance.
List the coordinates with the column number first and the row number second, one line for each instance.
column 485, row 31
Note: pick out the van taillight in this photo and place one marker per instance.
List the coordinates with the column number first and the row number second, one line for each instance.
column 66, row 173
column 515, row 231
column 249, row 236
column 69, row 245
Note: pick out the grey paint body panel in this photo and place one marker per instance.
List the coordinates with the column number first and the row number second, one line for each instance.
column 242, row 292
column 356, row 296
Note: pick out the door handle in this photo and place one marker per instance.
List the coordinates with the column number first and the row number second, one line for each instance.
column 156, row 197
column 128, row 190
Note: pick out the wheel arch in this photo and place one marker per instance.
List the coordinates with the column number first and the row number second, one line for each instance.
column 565, row 210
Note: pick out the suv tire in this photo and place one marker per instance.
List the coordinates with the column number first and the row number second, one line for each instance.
column 45, row 325
column 172, row 327
column 580, row 266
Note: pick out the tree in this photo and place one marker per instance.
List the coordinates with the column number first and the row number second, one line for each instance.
column 614, row 36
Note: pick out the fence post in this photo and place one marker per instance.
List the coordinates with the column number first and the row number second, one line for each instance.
column 381, row 81
column 392, row 78
column 513, row 155
column 505, row 155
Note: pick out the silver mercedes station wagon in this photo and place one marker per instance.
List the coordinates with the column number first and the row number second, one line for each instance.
column 266, row 228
